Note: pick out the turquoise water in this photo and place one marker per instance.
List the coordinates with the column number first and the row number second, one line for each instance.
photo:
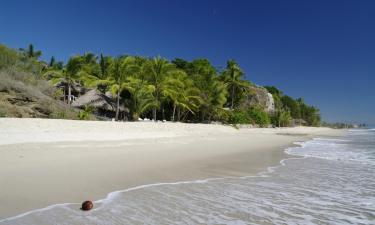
column 329, row 181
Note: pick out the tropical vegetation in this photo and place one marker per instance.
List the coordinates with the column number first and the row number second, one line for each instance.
column 160, row 89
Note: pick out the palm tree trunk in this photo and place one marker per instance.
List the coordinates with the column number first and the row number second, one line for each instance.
column 185, row 115
column 69, row 94
column 231, row 107
column 178, row 114
column 174, row 111
column 117, row 105
column 64, row 94
column 154, row 114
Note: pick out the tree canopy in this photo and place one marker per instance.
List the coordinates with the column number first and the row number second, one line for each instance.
column 176, row 90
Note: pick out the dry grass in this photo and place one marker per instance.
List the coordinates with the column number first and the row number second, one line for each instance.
column 24, row 95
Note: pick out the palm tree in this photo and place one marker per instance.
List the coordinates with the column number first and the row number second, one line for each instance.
column 67, row 76
column 213, row 92
column 216, row 98
column 105, row 65
column 158, row 69
column 180, row 90
column 52, row 62
column 31, row 53
column 71, row 74
column 122, row 69
column 232, row 77
column 92, row 74
column 142, row 98
column 89, row 58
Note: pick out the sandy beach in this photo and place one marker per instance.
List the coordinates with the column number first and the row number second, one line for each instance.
column 45, row 162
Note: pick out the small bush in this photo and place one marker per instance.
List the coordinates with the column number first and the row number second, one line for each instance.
column 64, row 112
column 239, row 117
column 258, row 116
column 59, row 115
column 281, row 118
column 59, row 94
column 223, row 116
column 8, row 57
column 254, row 115
column 3, row 114
column 85, row 114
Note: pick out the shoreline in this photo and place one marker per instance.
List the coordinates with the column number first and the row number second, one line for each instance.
column 38, row 175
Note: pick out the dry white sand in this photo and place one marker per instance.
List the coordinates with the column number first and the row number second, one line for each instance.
column 44, row 162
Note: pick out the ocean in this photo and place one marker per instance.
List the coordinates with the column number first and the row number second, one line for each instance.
column 325, row 181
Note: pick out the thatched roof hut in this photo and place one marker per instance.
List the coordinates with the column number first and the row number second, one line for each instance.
column 298, row 122
column 95, row 99
column 102, row 104
column 77, row 89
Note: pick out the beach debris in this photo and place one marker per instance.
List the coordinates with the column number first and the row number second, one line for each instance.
column 87, row 205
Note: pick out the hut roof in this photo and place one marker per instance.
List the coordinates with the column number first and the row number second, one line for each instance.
column 299, row 121
column 75, row 87
column 97, row 100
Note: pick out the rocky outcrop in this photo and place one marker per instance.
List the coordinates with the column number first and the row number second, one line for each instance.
column 259, row 96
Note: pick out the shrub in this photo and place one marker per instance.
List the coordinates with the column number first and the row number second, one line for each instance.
column 239, row 117
column 59, row 94
column 285, row 118
column 8, row 57
column 258, row 116
column 3, row 114
column 85, row 114
column 223, row 116
column 281, row 118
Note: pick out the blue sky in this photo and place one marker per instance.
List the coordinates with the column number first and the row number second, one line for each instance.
column 323, row 51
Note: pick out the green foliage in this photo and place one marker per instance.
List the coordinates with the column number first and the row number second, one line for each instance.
column 343, row 125
column 3, row 114
column 8, row 57
column 20, row 60
column 311, row 115
column 232, row 77
column 59, row 115
column 160, row 72
column 122, row 69
column 105, row 65
column 181, row 64
column 253, row 115
column 85, row 114
column 58, row 94
column 292, row 105
column 31, row 53
column 239, row 117
column 273, row 90
column 180, row 90
column 52, row 62
column 142, row 98
column 259, row 116
column 281, row 118
column 65, row 113
column 291, row 108
column 212, row 91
